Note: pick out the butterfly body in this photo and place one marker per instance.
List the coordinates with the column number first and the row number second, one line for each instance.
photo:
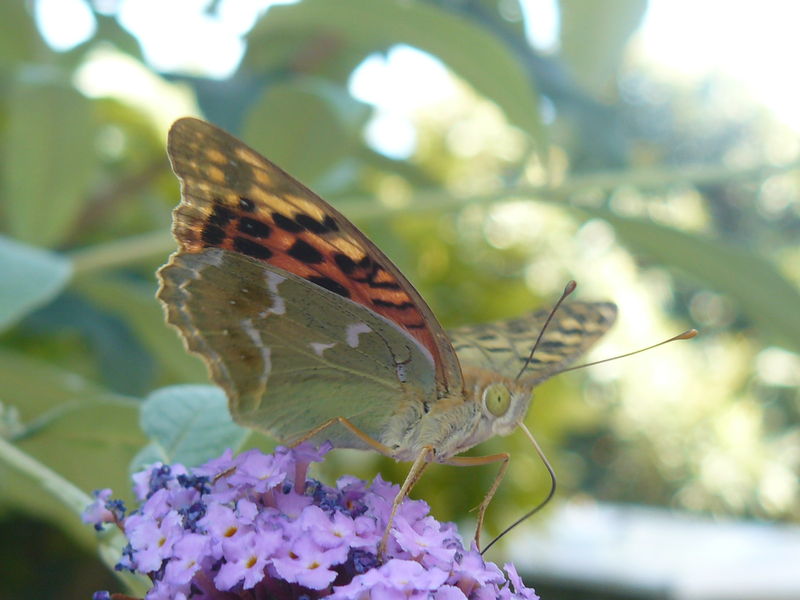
column 302, row 320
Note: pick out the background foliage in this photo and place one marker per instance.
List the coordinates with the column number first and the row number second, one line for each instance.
column 666, row 197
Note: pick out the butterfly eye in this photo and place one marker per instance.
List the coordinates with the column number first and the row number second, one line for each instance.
column 496, row 398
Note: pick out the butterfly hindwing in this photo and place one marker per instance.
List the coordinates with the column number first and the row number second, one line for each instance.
column 504, row 346
column 289, row 355
column 234, row 198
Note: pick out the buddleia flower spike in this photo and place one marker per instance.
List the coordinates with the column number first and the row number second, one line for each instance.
column 256, row 526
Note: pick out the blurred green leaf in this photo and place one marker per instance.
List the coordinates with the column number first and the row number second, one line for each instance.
column 29, row 278
column 306, row 127
column 767, row 298
column 594, row 37
column 120, row 361
column 469, row 50
column 49, row 161
column 189, row 424
column 137, row 304
column 76, row 428
column 20, row 40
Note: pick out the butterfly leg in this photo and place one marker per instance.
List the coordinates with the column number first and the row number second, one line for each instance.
column 423, row 459
column 344, row 422
column 472, row 461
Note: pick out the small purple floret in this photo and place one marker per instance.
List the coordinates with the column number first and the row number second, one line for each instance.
column 254, row 526
column 104, row 510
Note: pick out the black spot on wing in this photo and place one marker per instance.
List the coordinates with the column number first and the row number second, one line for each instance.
column 327, row 225
column 246, row 204
column 254, row 228
column 390, row 304
column 251, row 248
column 212, row 235
column 554, row 344
column 518, row 326
column 305, row 252
column 534, row 361
column 286, row 223
column 384, row 285
column 369, row 278
column 580, row 316
column 572, row 331
column 346, row 264
column 330, row 284
column 330, row 224
column 221, row 215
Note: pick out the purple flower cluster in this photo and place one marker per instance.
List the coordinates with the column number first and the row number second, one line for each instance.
column 252, row 526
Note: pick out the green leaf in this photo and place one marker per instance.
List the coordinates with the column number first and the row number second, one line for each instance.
column 760, row 290
column 75, row 427
column 20, row 40
column 306, row 127
column 190, row 424
column 49, row 161
column 29, row 278
column 341, row 27
column 594, row 36
column 79, row 430
column 137, row 305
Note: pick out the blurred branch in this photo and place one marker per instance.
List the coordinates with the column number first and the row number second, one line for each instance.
column 600, row 182
column 122, row 252
column 109, row 197
column 64, row 490
column 666, row 176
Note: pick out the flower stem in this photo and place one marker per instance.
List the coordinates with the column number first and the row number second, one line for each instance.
column 72, row 496
column 76, row 500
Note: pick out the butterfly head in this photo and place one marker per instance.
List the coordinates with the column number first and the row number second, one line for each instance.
column 504, row 406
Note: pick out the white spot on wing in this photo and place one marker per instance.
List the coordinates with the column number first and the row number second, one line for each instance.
column 353, row 331
column 213, row 256
column 266, row 354
column 320, row 347
column 278, row 303
column 402, row 375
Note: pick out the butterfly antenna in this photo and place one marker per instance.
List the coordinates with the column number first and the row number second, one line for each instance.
column 686, row 335
column 570, row 287
column 541, row 504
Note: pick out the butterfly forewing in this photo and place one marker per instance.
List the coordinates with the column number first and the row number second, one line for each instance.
column 235, row 199
column 289, row 359
column 504, row 346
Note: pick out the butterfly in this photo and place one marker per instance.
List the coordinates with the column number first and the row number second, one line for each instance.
column 314, row 333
